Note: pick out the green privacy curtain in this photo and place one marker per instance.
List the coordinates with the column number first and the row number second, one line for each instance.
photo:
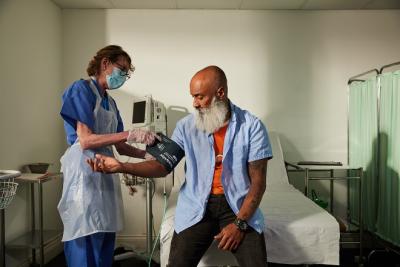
column 363, row 144
column 388, row 221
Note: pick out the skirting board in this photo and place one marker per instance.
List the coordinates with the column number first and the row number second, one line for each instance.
column 53, row 248
column 134, row 242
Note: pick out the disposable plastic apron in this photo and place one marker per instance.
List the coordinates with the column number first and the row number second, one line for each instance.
column 91, row 201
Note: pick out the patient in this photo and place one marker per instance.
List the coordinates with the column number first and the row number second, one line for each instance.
column 227, row 150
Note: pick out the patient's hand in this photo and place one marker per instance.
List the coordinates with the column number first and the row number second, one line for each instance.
column 105, row 164
column 229, row 238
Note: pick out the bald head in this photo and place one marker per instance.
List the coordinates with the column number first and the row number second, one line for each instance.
column 212, row 78
column 207, row 84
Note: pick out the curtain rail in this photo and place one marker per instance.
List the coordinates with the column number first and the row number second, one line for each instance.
column 389, row 65
column 353, row 79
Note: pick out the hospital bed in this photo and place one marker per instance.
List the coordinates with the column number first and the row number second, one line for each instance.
column 297, row 230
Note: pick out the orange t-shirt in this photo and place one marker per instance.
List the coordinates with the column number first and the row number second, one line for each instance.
column 219, row 137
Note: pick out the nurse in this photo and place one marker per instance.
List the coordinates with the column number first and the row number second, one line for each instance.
column 91, row 203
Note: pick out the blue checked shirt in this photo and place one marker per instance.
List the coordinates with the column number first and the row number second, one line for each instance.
column 246, row 140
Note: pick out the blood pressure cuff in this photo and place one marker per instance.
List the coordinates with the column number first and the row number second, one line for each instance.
column 166, row 151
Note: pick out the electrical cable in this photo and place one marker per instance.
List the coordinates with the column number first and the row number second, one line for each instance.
column 152, row 215
column 162, row 220
column 159, row 231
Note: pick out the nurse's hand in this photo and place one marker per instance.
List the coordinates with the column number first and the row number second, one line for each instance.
column 142, row 136
column 105, row 164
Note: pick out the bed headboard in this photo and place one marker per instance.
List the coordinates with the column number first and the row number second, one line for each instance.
column 276, row 172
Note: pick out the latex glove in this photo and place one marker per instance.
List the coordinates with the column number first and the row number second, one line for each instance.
column 141, row 136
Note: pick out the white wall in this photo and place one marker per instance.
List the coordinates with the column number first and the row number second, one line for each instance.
column 288, row 68
column 30, row 90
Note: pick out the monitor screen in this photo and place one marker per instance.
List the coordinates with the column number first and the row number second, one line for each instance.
column 139, row 112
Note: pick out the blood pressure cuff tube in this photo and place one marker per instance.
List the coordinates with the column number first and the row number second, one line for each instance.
column 166, row 151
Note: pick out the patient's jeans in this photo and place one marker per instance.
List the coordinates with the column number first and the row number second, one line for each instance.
column 188, row 247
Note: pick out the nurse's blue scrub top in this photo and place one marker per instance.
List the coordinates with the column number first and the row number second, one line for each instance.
column 78, row 103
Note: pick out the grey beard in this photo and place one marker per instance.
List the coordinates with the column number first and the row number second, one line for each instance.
column 212, row 118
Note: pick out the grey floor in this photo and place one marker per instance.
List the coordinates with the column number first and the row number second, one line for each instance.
column 347, row 258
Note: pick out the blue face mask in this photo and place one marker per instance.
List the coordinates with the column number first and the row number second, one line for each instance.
column 116, row 79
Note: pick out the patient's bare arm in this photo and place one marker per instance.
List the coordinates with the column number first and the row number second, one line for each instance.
column 230, row 236
column 150, row 169
column 258, row 179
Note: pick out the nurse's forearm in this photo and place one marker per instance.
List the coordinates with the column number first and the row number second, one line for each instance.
column 100, row 140
column 89, row 140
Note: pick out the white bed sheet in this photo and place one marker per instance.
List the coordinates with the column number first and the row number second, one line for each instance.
column 297, row 230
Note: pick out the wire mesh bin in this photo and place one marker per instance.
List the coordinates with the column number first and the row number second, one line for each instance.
column 8, row 188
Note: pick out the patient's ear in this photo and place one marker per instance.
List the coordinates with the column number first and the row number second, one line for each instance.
column 221, row 93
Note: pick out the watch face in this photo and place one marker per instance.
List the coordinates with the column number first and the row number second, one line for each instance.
column 241, row 224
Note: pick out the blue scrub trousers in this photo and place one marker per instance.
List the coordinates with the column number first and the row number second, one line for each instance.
column 95, row 250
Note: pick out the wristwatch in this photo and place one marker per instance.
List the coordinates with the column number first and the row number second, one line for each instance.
column 241, row 224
